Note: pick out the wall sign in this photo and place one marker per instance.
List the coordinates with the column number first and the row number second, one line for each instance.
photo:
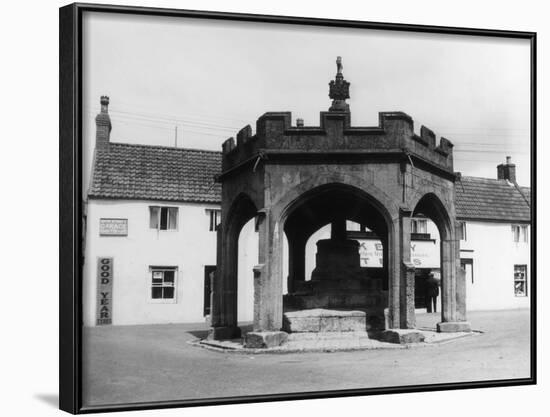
column 424, row 254
column 113, row 227
column 104, row 306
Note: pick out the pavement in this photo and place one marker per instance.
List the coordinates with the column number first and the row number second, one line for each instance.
column 128, row 364
column 334, row 342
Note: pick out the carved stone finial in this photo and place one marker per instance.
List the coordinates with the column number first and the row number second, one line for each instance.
column 339, row 89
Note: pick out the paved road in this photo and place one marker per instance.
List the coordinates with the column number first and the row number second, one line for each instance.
column 124, row 364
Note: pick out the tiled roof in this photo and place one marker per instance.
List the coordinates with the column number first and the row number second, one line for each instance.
column 491, row 199
column 144, row 172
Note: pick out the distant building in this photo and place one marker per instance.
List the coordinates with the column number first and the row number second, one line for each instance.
column 150, row 240
column 495, row 246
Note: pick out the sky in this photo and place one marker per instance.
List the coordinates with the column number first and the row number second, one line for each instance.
column 196, row 82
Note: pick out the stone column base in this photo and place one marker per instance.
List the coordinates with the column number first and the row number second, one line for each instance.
column 224, row 333
column 454, row 326
column 260, row 340
column 401, row 336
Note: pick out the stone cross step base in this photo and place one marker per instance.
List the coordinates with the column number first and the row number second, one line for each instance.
column 325, row 320
column 339, row 284
column 341, row 299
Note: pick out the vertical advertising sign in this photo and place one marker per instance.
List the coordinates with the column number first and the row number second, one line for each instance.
column 104, row 310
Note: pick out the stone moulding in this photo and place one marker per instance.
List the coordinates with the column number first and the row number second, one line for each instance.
column 324, row 320
column 395, row 130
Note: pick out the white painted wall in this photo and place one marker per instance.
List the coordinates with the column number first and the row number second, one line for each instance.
column 248, row 258
column 311, row 248
column 189, row 248
column 494, row 256
column 193, row 246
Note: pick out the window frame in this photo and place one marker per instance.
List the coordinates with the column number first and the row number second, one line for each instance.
column 150, row 284
column 524, row 280
column 467, row 261
column 463, row 232
column 214, row 218
column 416, row 222
column 520, row 233
column 168, row 209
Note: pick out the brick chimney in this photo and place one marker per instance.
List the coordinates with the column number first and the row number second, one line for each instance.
column 507, row 171
column 103, row 124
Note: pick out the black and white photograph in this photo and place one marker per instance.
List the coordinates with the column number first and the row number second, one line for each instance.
column 272, row 208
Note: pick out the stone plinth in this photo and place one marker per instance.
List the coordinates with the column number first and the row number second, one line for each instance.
column 337, row 259
column 454, row 326
column 402, row 336
column 261, row 340
column 335, row 299
column 323, row 320
column 364, row 294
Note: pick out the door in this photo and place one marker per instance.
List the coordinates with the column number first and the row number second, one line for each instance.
column 208, row 269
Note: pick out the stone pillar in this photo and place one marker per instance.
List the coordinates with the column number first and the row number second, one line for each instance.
column 408, row 316
column 216, row 306
column 407, row 319
column 401, row 280
column 394, row 276
column 448, row 281
column 453, row 289
column 224, row 291
column 268, row 288
column 460, row 278
column 385, row 262
column 260, row 322
column 338, row 229
column 460, row 294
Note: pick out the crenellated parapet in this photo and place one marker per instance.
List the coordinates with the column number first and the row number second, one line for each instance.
column 275, row 134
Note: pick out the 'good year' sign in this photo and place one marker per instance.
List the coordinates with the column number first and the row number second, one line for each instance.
column 104, row 309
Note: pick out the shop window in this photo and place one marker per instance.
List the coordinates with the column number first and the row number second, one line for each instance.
column 520, row 280
column 163, row 218
column 163, row 284
column 215, row 216
column 519, row 233
column 419, row 226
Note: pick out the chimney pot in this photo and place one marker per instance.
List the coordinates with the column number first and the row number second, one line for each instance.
column 103, row 124
column 104, row 104
column 507, row 171
column 300, row 122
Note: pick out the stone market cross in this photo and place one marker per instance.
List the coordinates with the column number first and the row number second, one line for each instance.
column 294, row 180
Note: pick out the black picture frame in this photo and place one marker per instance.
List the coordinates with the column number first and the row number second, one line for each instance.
column 71, row 205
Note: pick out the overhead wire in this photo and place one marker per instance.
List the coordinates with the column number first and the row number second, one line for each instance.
column 166, row 122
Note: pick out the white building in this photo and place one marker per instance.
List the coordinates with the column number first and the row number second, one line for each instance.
column 150, row 240
column 495, row 249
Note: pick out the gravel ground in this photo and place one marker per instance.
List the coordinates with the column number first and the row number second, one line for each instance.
column 126, row 364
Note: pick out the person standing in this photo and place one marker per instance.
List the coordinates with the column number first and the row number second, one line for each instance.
column 432, row 291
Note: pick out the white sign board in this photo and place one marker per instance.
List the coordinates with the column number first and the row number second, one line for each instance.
column 104, row 307
column 113, row 227
column 424, row 253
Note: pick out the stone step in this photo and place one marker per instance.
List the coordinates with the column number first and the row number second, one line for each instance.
column 325, row 320
column 338, row 284
column 335, row 300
